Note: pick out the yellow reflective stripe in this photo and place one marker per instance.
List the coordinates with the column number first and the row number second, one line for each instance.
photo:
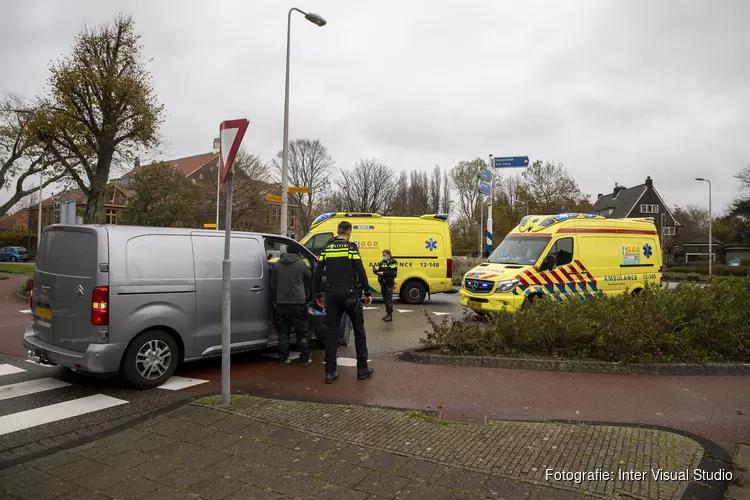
column 354, row 256
column 337, row 253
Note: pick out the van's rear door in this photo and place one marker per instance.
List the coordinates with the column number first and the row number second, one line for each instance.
column 63, row 310
column 45, row 274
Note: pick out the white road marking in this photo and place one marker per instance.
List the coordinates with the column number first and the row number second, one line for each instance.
column 439, row 313
column 52, row 413
column 405, row 310
column 176, row 383
column 7, row 369
column 30, row 387
column 347, row 361
column 25, row 311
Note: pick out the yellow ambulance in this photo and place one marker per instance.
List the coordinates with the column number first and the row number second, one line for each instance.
column 420, row 245
column 565, row 256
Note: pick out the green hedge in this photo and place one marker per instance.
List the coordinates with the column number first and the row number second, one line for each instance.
column 717, row 270
column 687, row 323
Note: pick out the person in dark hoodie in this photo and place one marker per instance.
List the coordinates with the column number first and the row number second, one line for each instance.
column 290, row 280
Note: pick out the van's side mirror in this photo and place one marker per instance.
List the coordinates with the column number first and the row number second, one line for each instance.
column 548, row 263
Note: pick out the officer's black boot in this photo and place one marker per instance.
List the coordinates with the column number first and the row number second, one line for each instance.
column 388, row 318
column 366, row 373
column 331, row 377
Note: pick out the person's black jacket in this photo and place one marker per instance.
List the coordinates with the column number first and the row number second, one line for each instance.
column 290, row 280
column 389, row 268
column 342, row 264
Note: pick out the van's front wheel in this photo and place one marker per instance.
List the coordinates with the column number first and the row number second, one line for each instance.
column 413, row 292
column 151, row 359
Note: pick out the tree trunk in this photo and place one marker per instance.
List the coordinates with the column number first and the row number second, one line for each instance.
column 98, row 189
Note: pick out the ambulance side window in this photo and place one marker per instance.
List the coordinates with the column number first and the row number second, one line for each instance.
column 563, row 251
column 317, row 243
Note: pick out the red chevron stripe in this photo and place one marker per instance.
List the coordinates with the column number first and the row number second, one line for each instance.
column 557, row 277
column 545, row 276
column 533, row 278
column 590, row 276
column 577, row 273
column 567, row 275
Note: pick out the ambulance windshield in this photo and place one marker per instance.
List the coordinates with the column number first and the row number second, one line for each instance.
column 523, row 250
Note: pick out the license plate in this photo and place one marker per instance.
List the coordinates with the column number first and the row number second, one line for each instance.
column 43, row 312
column 474, row 304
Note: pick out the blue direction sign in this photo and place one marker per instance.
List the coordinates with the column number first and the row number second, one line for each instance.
column 512, row 161
column 485, row 174
column 485, row 188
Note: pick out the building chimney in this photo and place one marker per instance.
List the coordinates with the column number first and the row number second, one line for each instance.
column 617, row 190
column 649, row 182
column 599, row 196
column 217, row 145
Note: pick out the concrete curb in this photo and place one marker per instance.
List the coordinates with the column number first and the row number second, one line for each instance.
column 427, row 356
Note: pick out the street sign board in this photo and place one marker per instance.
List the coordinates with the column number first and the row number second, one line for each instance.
column 485, row 188
column 299, row 189
column 209, row 225
column 485, row 174
column 512, row 161
column 231, row 133
column 273, row 198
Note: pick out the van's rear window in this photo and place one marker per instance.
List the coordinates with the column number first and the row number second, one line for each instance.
column 78, row 256
column 49, row 251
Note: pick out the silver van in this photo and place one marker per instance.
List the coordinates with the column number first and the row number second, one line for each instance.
column 140, row 300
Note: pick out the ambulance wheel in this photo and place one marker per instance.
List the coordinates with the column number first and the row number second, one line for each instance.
column 531, row 300
column 413, row 292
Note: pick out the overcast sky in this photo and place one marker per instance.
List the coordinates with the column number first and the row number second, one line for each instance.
column 615, row 90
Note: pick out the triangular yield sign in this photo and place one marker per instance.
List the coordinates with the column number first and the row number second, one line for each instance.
column 231, row 133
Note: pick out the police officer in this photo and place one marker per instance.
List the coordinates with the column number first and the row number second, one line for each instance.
column 387, row 269
column 345, row 275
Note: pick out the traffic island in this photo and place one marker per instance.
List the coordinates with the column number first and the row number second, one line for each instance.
column 273, row 449
column 436, row 356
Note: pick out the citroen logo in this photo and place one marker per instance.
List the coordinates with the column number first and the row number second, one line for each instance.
column 79, row 292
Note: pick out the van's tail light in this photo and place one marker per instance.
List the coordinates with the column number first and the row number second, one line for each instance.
column 449, row 269
column 31, row 293
column 100, row 306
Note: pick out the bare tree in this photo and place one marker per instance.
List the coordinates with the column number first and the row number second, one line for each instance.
column 446, row 203
column 435, row 190
column 22, row 157
column 310, row 165
column 100, row 107
column 548, row 188
column 369, row 187
column 464, row 177
column 400, row 204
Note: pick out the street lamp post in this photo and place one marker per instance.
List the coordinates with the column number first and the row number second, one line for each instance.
column 710, row 226
column 319, row 21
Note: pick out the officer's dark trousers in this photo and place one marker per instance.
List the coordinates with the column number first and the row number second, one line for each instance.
column 340, row 301
column 387, row 291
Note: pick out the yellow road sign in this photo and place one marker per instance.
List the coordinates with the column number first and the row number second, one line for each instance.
column 273, row 198
column 209, row 225
column 300, row 189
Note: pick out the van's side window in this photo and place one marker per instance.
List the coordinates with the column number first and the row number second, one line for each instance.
column 562, row 251
column 317, row 243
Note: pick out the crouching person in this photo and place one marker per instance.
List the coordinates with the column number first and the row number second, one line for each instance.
column 290, row 281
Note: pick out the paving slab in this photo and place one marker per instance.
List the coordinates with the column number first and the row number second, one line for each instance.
column 272, row 450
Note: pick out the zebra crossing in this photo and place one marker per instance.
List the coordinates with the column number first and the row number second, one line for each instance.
column 30, row 398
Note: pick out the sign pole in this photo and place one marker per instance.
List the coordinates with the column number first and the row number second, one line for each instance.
column 226, row 298
column 481, row 222
column 489, row 209
column 231, row 133
column 218, row 192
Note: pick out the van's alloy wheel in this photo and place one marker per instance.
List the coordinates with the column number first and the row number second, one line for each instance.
column 153, row 359
column 150, row 359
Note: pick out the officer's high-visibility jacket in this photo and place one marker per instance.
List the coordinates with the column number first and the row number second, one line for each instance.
column 389, row 268
column 343, row 266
